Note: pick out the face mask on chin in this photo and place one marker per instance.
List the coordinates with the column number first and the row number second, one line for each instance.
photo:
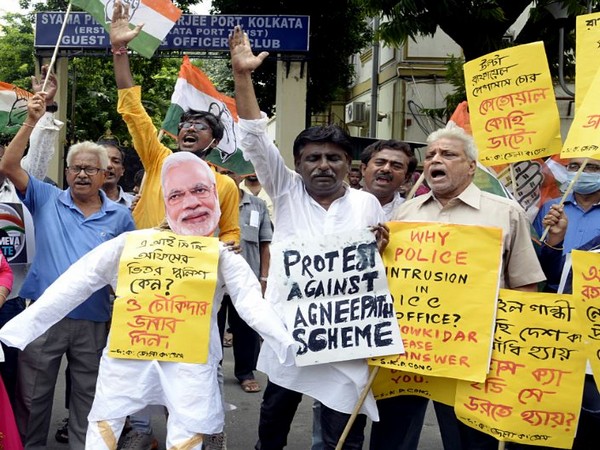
column 587, row 183
column 205, row 151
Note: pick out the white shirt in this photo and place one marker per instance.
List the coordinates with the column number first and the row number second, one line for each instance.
column 189, row 391
column 298, row 215
column 389, row 207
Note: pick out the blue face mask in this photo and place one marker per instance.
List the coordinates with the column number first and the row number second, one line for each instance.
column 586, row 184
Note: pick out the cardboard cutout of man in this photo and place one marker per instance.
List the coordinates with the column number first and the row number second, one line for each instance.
column 189, row 391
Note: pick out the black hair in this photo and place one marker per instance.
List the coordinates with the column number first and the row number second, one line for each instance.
column 113, row 143
column 392, row 144
column 214, row 122
column 323, row 134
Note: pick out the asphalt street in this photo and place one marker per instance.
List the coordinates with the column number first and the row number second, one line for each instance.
column 242, row 422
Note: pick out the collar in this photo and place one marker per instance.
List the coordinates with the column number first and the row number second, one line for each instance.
column 244, row 198
column 471, row 196
column 66, row 198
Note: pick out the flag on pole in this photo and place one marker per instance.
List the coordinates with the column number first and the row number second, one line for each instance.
column 194, row 90
column 158, row 17
column 13, row 107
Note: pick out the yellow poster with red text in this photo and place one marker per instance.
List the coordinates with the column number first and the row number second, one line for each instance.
column 165, row 296
column 444, row 281
column 533, row 392
column 587, row 52
column 513, row 110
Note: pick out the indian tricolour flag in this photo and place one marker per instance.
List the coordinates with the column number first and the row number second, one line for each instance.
column 13, row 107
column 158, row 17
column 194, row 90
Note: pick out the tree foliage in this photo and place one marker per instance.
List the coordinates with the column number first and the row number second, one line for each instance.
column 336, row 32
column 16, row 51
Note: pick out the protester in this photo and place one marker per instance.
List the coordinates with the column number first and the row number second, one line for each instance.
column 114, row 172
column 385, row 166
column 312, row 201
column 252, row 186
column 36, row 163
column 194, row 399
column 257, row 232
column 199, row 133
column 355, row 177
column 449, row 168
column 68, row 224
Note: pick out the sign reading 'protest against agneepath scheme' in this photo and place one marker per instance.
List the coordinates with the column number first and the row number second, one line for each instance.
column 337, row 303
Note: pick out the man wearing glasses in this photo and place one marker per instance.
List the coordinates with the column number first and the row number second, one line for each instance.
column 68, row 224
column 199, row 133
column 582, row 206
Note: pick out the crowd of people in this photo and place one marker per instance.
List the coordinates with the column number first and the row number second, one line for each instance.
column 86, row 233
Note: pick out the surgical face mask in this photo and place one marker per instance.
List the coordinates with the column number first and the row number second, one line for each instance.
column 587, row 183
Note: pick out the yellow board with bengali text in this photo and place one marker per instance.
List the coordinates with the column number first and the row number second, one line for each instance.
column 586, row 290
column 444, row 279
column 513, row 110
column 532, row 394
column 587, row 52
column 392, row 383
column 165, row 296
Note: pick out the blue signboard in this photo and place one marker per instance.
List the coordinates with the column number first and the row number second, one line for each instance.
column 191, row 32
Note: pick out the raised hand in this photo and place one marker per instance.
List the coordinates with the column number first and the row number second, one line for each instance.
column 51, row 86
column 120, row 33
column 36, row 107
column 242, row 58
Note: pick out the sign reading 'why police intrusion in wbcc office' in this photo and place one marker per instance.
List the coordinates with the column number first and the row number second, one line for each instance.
column 191, row 32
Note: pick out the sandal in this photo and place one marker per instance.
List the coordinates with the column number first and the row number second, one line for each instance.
column 227, row 339
column 250, row 386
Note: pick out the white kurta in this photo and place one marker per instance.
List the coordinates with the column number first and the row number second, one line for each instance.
column 189, row 391
column 299, row 216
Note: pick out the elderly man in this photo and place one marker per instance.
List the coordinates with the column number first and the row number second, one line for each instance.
column 449, row 168
column 189, row 390
column 311, row 201
column 199, row 133
column 385, row 167
column 68, row 224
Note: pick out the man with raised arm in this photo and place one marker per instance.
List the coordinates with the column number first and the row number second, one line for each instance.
column 199, row 133
column 311, row 201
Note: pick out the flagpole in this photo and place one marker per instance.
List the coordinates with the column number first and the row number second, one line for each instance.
column 416, row 186
column 60, row 35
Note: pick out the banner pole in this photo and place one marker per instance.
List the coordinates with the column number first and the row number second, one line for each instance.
column 60, row 35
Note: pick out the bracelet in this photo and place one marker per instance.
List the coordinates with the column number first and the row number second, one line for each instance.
column 28, row 125
column 263, row 278
column 122, row 50
column 53, row 107
column 554, row 248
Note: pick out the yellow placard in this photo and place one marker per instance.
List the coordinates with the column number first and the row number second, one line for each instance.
column 532, row 394
column 586, row 290
column 512, row 105
column 587, row 52
column 582, row 140
column 444, row 280
column 392, row 383
column 164, row 299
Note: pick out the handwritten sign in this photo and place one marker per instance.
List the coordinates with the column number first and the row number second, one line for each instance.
column 392, row 383
column 164, row 299
column 587, row 52
column 444, row 280
column 511, row 101
column 533, row 391
column 337, row 303
column 586, row 291
column 582, row 140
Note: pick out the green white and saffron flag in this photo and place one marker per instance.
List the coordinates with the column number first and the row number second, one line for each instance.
column 158, row 17
column 13, row 107
column 194, row 90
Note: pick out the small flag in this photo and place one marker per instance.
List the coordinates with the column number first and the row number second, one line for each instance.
column 13, row 107
column 194, row 90
column 158, row 17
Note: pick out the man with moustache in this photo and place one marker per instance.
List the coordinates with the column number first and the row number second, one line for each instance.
column 68, row 224
column 385, row 167
column 199, row 133
column 188, row 390
column 449, row 168
column 114, row 172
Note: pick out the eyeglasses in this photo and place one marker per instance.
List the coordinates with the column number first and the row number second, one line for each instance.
column 198, row 126
column 200, row 191
column 589, row 168
column 75, row 170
